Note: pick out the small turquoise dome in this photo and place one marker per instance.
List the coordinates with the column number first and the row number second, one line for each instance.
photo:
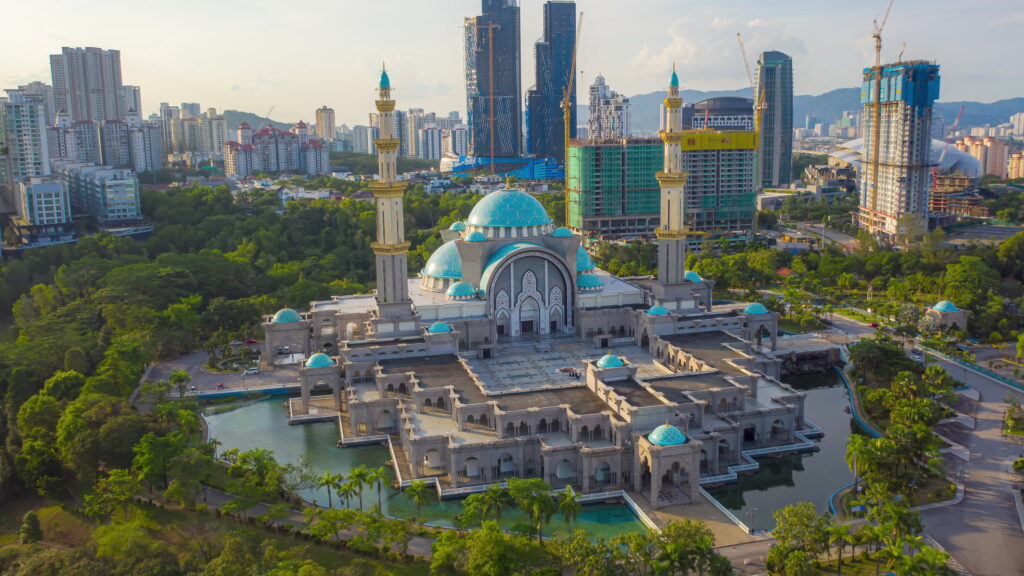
column 508, row 208
column 583, row 261
column 461, row 290
column 562, row 232
column 439, row 328
column 385, row 82
column 674, row 82
column 610, row 361
column 458, row 227
column 667, row 435
column 445, row 262
column 657, row 311
column 755, row 308
column 589, row 282
column 476, row 236
column 692, row 276
column 946, row 306
column 286, row 315
column 319, row 360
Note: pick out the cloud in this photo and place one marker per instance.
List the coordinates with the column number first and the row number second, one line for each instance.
column 235, row 88
column 719, row 23
column 757, row 23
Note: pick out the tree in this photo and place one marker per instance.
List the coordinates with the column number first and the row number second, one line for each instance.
column 840, row 536
column 929, row 561
column 38, row 417
column 153, row 455
column 117, row 489
column 64, row 385
column 180, row 380
column 533, row 497
column 417, row 492
column 329, row 481
column 569, row 505
column 39, row 468
column 799, row 527
column 30, row 531
column 359, row 476
column 496, row 498
column 378, row 476
column 347, row 491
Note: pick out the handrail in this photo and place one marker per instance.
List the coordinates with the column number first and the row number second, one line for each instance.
column 972, row 366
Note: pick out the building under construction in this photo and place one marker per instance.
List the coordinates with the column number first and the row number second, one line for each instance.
column 896, row 173
column 612, row 189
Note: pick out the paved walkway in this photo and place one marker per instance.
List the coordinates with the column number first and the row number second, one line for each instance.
column 983, row 532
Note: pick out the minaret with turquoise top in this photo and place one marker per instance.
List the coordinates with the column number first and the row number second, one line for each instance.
column 391, row 247
column 671, row 233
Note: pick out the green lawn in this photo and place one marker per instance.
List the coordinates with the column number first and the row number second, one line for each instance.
column 856, row 568
column 1013, row 426
column 860, row 316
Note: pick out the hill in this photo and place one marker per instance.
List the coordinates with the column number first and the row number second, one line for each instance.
column 236, row 117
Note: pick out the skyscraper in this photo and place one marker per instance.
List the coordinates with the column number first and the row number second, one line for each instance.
column 553, row 54
column 23, row 132
column 895, row 172
column 87, row 83
column 493, row 81
column 609, row 112
column 132, row 99
column 775, row 85
column 325, row 123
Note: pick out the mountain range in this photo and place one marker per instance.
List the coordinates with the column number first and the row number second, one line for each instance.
column 826, row 107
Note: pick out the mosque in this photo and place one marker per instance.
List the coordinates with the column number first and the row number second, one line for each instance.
column 513, row 355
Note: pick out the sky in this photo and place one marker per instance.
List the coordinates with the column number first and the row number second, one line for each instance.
column 298, row 55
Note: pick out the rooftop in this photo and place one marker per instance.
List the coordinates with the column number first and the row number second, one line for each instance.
column 710, row 347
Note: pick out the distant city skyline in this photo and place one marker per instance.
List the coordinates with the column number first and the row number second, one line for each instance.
column 195, row 52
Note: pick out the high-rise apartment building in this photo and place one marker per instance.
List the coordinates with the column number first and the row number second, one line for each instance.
column 609, row 112
column 493, row 80
column 1015, row 168
column 77, row 141
column 429, row 145
column 41, row 93
column 553, row 55
column 145, row 144
column 726, row 113
column 273, row 150
column 1017, row 121
column 23, row 133
column 325, row 123
column 993, row 154
column 775, row 86
column 87, row 83
column 895, row 173
column 131, row 97
column 191, row 107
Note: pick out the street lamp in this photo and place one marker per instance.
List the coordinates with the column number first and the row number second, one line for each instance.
column 752, row 515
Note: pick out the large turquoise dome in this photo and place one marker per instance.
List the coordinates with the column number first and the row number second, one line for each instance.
column 946, row 306
column 583, row 260
column 461, row 290
column 589, row 282
column 610, row 361
column 667, row 435
column 562, row 232
column 508, row 208
column 439, row 328
column 458, row 227
column 692, row 276
column 286, row 315
column 445, row 262
column 755, row 308
column 319, row 360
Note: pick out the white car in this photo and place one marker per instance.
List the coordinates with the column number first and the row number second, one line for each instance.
column 251, row 371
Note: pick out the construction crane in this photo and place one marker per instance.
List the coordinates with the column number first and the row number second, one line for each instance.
column 876, row 122
column 903, row 48
column 267, row 116
column 567, row 112
column 490, row 80
column 758, row 96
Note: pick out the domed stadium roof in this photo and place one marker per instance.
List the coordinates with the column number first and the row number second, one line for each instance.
column 286, row 315
column 946, row 306
column 508, row 208
column 319, row 360
column 657, row 311
column 755, row 308
column 667, row 435
column 610, row 361
column 589, row 282
column 476, row 236
column 445, row 262
column 458, row 227
column 439, row 328
column 583, row 261
column 955, row 161
column 461, row 290
column 562, row 232
column 692, row 276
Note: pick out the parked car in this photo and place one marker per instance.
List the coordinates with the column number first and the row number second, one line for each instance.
column 873, row 324
column 220, row 386
column 251, row 341
column 251, row 371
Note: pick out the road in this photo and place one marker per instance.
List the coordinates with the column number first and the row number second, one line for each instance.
column 983, row 532
column 203, row 379
column 815, row 229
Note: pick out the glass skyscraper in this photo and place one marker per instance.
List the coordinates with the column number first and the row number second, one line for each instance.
column 493, row 81
column 553, row 53
column 775, row 85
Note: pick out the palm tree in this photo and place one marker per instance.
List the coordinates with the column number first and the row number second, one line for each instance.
column 377, row 476
column 328, row 480
column 540, row 506
column 569, row 505
column 839, row 536
column 931, row 561
column 347, row 490
column 892, row 553
column 858, row 454
column 180, row 378
column 496, row 498
column 359, row 476
column 417, row 491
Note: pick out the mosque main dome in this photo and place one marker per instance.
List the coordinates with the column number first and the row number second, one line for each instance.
column 508, row 208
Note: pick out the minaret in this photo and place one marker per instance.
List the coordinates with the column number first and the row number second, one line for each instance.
column 672, row 232
column 391, row 246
